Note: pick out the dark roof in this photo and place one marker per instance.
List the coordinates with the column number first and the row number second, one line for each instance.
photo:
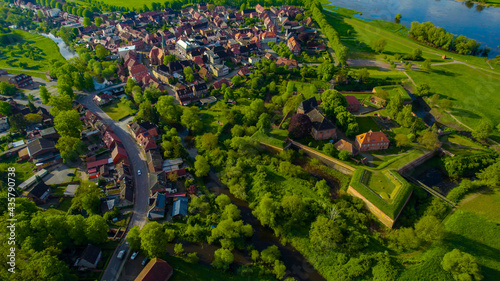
column 200, row 87
column 48, row 131
column 146, row 125
column 319, row 122
column 308, row 105
column 155, row 270
column 39, row 189
column 39, row 145
column 180, row 206
column 91, row 254
column 155, row 157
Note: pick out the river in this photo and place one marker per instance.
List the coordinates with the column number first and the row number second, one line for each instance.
column 65, row 51
column 456, row 17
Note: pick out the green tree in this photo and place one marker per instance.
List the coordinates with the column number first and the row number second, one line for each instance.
column 402, row 140
column 134, row 238
column 69, row 147
column 86, row 21
column 279, row 269
column 153, row 240
column 68, row 123
column 429, row 228
column 462, row 266
column 422, row 90
column 208, row 141
column 429, row 140
column 201, row 166
column 190, row 119
column 76, row 229
column 426, row 65
column 178, row 249
column 270, row 254
column 167, row 110
column 96, row 229
column 5, row 108
column 168, row 59
column 98, row 21
column 264, row 123
column 44, row 94
column 59, row 104
column 223, row 258
column 100, row 51
column 325, row 234
column 344, row 155
column 7, row 89
column 483, row 130
column 222, row 201
column 379, row 45
column 491, row 175
column 87, row 197
column 17, row 122
column 363, row 75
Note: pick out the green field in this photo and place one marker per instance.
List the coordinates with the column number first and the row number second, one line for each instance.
column 467, row 232
column 378, row 182
column 366, row 124
column 392, row 91
column 309, row 90
column 473, row 92
column 485, row 203
column 23, row 171
column 118, row 111
column 37, row 59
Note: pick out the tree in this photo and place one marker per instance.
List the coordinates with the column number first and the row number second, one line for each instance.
column 178, row 249
column 167, row 110
column 76, row 229
column 483, row 130
column 168, row 59
column 153, row 240
column 429, row 228
column 422, row 90
column 223, row 258
column 98, row 21
column 325, row 234
column 208, row 141
column 100, row 51
column 344, row 155
column 69, row 147
column 397, row 18
column 379, row 45
column 402, row 140
column 201, row 166
column 88, row 197
column 17, row 122
column 68, row 123
column 445, row 104
column 190, row 119
column 134, row 238
column 429, row 140
column 270, row 254
column 300, row 126
column 96, row 229
column 59, row 104
column 363, row 75
column 7, row 89
column 491, row 175
column 426, row 65
column 322, row 188
column 44, row 94
column 462, row 266
column 279, row 269
column 254, row 110
column 5, row 108
column 332, row 99
column 146, row 112
column 86, row 21
column 222, row 201
column 264, row 123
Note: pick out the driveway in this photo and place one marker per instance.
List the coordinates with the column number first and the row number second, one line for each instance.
column 59, row 175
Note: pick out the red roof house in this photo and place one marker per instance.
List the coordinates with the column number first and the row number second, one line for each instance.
column 156, row 270
column 118, row 153
column 353, row 103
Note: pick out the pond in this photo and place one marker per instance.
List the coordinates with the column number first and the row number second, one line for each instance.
column 461, row 18
column 65, row 51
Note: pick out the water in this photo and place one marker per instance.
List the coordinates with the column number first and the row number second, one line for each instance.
column 455, row 17
column 65, row 51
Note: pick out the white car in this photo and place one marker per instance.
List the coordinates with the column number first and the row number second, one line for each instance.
column 138, row 172
column 121, row 254
column 134, row 255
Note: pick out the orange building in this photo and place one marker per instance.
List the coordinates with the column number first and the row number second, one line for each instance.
column 372, row 141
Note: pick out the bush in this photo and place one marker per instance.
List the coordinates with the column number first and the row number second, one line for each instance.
column 192, row 258
column 460, row 191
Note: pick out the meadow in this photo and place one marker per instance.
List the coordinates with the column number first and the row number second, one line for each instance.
column 118, row 111
column 35, row 53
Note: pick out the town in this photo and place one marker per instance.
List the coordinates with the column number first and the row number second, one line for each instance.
column 244, row 141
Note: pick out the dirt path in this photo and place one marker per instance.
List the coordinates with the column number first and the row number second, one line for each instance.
column 411, row 79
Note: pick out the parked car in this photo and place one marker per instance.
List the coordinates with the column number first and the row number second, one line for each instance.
column 70, row 174
column 138, row 172
column 145, row 261
column 121, row 254
column 134, row 255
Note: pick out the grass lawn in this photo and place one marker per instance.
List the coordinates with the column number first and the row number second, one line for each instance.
column 43, row 50
column 381, row 184
column 366, row 124
column 473, row 92
column 393, row 91
column 486, row 204
column 118, row 111
column 407, row 158
column 64, row 205
column 23, row 171
column 309, row 90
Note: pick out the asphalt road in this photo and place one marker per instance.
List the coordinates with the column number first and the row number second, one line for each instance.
column 141, row 182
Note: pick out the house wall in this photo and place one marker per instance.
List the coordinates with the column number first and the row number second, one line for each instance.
column 323, row 135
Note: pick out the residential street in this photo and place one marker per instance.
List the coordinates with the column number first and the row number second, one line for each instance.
column 141, row 182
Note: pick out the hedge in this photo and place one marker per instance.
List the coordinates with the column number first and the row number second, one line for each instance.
column 390, row 209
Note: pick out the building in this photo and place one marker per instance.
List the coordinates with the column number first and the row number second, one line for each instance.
column 157, row 209
column 4, row 124
column 142, row 127
column 200, row 89
column 291, row 63
column 119, row 153
column 293, row 45
column 42, row 152
column 347, row 146
column 185, row 95
column 183, row 47
column 372, row 141
column 154, row 161
column 21, row 81
column 90, row 257
column 219, row 69
column 40, row 193
column 322, row 128
column 156, row 56
column 156, row 270
column 180, row 207
column 352, row 103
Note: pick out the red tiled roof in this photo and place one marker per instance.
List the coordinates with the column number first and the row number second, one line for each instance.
column 156, row 270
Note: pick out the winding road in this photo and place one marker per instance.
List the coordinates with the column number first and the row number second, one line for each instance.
column 137, row 162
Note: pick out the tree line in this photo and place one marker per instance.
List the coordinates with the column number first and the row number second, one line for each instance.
column 438, row 37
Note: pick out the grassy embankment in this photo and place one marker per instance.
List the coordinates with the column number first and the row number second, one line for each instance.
column 43, row 50
column 470, row 87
